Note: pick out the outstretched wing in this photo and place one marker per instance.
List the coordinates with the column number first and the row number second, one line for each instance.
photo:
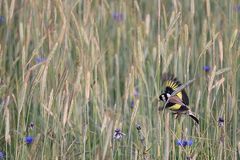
column 171, row 84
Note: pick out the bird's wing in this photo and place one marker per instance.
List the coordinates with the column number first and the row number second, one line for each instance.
column 172, row 84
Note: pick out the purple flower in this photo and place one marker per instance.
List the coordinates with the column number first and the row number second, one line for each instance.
column 189, row 157
column 237, row 8
column 2, row 155
column 2, row 20
column 184, row 143
column 40, row 60
column 118, row 134
column 136, row 93
column 132, row 104
column 220, row 122
column 28, row 139
column 206, row 68
column 117, row 16
column 190, row 142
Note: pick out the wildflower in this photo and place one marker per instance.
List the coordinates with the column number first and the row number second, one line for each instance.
column 2, row 20
column 220, row 122
column 138, row 127
column 132, row 104
column 184, row 143
column 118, row 134
column 28, row 139
column 117, row 16
column 40, row 59
column 237, row 8
column 136, row 92
column 206, row 68
column 2, row 155
column 189, row 157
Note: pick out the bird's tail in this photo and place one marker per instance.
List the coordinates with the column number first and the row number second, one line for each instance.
column 190, row 113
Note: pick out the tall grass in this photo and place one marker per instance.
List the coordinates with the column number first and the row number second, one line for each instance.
column 78, row 70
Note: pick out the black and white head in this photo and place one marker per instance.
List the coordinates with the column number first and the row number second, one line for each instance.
column 164, row 97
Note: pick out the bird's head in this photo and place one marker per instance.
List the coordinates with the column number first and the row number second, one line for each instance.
column 164, row 97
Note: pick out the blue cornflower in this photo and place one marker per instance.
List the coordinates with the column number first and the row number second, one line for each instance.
column 206, row 68
column 184, row 143
column 2, row 20
column 190, row 142
column 40, row 59
column 118, row 134
column 2, row 155
column 117, row 16
column 28, row 139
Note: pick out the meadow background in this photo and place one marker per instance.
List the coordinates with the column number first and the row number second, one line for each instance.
column 73, row 72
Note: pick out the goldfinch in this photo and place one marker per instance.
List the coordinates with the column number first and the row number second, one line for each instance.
column 178, row 102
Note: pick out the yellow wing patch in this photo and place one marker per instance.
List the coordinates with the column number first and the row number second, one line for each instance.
column 179, row 94
column 175, row 107
column 171, row 84
column 174, row 86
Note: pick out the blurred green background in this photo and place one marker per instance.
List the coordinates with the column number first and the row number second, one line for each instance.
column 75, row 71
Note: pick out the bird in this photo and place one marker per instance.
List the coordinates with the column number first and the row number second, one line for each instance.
column 176, row 101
